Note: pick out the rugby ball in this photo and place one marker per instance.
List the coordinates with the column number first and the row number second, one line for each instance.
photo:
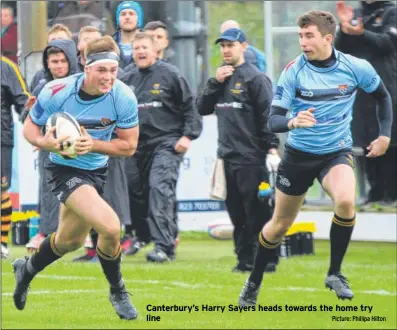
column 65, row 125
column 221, row 229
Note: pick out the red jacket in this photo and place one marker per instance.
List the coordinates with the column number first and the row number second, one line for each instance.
column 9, row 43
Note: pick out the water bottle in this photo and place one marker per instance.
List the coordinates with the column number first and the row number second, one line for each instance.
column 264, row 190
column 34, row 226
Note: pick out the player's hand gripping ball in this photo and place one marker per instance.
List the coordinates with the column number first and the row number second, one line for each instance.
column 65, row 125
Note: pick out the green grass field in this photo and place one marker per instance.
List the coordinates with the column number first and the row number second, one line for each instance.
column 75, row 296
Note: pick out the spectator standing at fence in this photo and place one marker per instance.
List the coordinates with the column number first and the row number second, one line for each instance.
column 159, row 31
column 9, row 34
column 129, row 18
column 56, row 32
column 13, row 93
column 370, row 32
column 169, row 122
column 241, row 95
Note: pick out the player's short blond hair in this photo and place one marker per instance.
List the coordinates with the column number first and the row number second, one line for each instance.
column 103, row 44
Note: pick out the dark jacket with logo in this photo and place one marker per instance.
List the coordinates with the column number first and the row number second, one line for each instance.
column 165, row 102
column 378, row 45
column 242, row 104
column 13, row 92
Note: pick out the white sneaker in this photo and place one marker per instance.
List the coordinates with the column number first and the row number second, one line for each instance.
column 4, row 252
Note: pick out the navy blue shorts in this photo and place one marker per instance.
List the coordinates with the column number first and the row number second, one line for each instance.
column 298, row 169
column 65, row 179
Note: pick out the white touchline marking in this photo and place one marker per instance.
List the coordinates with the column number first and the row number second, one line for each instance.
column 370, row 292
column 380, row 292
column 60, row 277
column 46, row 292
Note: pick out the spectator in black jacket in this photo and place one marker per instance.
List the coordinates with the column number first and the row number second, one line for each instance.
column 241, row 97
column 13, row 92
column 168, row 122
column 370, row 32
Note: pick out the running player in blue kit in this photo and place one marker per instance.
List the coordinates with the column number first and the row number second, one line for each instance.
column 319, row 88
column 103, row 104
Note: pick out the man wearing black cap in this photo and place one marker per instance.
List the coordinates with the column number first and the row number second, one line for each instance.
column 241, row 96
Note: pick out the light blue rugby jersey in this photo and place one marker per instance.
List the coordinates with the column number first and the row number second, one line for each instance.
column 100, row 117
column 331, row 91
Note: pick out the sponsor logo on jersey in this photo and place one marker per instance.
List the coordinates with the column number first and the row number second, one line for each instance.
column 230, row 105
column 154, row 104
column 307, row 93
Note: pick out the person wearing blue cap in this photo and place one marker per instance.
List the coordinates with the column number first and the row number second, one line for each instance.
column 252, row 54
column 240, row 95
column 129, row 18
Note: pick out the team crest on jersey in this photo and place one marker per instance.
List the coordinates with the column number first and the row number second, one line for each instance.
column 56, row 88
column 4, row 182
column 237, row 88
column 106, row 121
column 378, row 21
column 343, row 88
column 156, row 89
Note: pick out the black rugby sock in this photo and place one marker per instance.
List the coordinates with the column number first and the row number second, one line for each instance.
column 111, row 268
column 266, row 253
column 340, row 234
column 46, row 254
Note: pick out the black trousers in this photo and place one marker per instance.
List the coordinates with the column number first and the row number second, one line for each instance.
column 247, row 213
column 48, row 202
column 152, row 177
column 381, row 175
column 115, row 192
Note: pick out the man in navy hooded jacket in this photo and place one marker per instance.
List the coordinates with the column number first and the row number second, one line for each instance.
column 129, row 18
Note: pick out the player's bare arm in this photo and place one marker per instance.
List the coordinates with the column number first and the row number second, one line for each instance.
column 124, row 145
